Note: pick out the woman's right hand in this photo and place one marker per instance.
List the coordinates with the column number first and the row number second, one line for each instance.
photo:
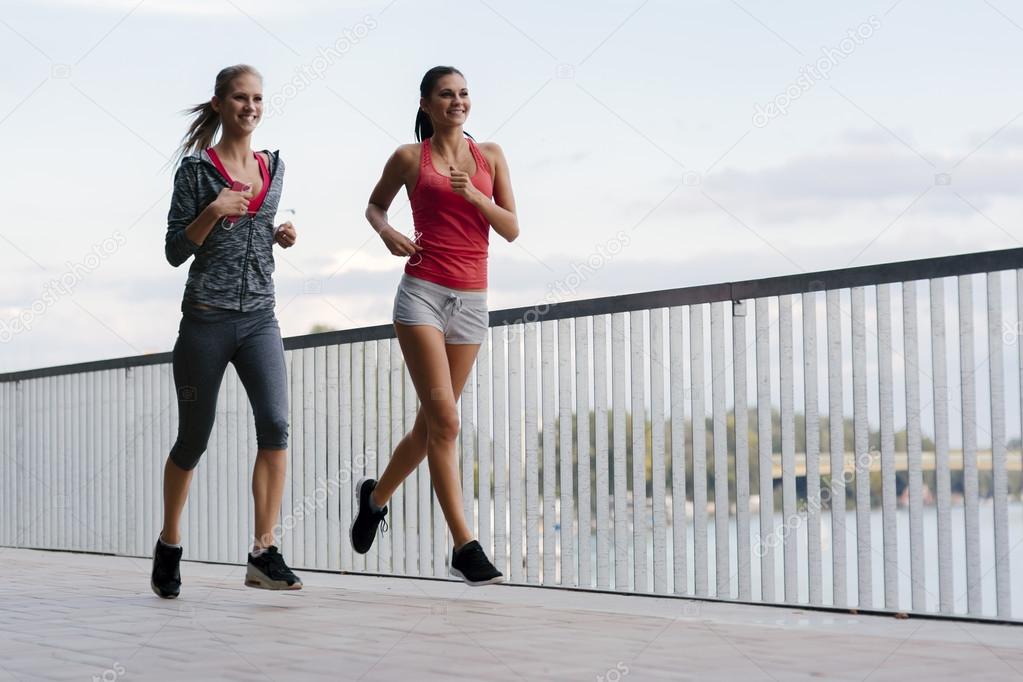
column 398, row 244
column 231, row 203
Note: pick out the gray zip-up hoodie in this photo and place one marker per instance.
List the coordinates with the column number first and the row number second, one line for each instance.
column 234, row 267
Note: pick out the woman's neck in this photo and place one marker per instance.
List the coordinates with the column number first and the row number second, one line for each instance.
column 232, row 148
column 447, row 141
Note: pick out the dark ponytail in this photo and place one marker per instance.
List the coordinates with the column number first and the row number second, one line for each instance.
column 203, row 129
column 424, row 126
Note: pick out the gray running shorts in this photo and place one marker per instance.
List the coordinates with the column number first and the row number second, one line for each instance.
column 462, row 316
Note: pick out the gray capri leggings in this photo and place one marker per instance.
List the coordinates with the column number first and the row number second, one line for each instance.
column 207, row 341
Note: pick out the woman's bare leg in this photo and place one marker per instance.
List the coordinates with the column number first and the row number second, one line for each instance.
column 175, row 494
column 437, row 370
column 268, row 477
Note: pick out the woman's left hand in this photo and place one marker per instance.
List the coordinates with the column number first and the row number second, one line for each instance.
column 286, row 235
column 461, row 184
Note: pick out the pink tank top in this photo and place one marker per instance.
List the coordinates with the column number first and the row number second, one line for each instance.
column 454, row 235
column 257, row 201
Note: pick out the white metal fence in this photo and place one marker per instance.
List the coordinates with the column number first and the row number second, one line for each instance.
column 583, row 464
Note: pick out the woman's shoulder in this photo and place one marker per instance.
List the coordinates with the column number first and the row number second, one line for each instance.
column 492, row 154
column 409, row 152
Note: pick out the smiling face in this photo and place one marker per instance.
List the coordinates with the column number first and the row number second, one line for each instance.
column 241, row 107
column 448, row 105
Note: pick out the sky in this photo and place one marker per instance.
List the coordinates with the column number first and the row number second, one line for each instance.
column 726, row 140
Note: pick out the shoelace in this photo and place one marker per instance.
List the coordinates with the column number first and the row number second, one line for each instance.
column 382, row 516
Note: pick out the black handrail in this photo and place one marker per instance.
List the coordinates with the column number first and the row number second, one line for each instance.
column 902, row 271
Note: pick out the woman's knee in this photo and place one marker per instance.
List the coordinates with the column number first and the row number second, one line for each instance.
column 443, row 426
column 272, row 432
column 186, row 453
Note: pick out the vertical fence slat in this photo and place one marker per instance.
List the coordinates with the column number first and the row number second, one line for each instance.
column 811, row 412
column 765, row 547
column 467, row 448
column 532, row 470
column 152, row 474
column 699, row 419
column 394, row 422
column 583, row 453
column 308, row 457
column 515, row 451
column 740, row 389
column 911, row 355
column 235, row 541
column 484, row 421
column 548, row 373
column 319, row 454
column 638, row 407
column 292, row 495
column 566, row 516
column 57, row 470
column 861, row 450
column 345, row 442
column 943, row 481
column 621, row 522
column 999, row 480
column 501, row 463
column 372, row 444
column 416, row 488
column 657, row 373
column 382, row 369
column 335, row 479
column 968, row 388
column 142, row 541
column 360, row 459
column 679, row 516
column 788, row 447
column 836, row 447
column 890, row 528
column 722, row 564
column 218, row 463
column 601, row 464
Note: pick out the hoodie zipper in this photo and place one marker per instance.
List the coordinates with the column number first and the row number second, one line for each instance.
column 252, row 220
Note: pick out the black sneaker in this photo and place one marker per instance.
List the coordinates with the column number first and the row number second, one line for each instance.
column 269, row 572
column 166, row 578
column 470, row 563
column 364, row 526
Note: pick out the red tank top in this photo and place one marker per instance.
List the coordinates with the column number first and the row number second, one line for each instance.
column 454, row 235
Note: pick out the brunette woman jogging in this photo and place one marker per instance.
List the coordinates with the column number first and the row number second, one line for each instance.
column 458, row 191
column 222, row 210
